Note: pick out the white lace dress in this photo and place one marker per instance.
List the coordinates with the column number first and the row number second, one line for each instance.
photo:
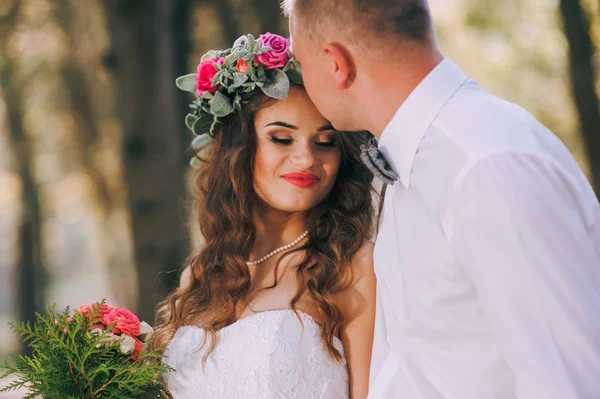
column 267, row 355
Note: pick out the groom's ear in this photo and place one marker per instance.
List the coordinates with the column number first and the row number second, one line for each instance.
column 344, row 67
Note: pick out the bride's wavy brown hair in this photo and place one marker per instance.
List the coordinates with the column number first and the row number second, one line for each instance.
column 220, row 278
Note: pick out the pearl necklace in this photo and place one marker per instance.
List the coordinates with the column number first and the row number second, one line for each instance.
column 276, row 251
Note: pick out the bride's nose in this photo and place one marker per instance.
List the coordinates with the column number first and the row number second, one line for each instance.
column 303, row 156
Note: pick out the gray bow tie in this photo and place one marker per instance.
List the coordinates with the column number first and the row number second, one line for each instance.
column 375, row 161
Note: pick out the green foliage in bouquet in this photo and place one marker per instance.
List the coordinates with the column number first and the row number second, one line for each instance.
column 75, row 359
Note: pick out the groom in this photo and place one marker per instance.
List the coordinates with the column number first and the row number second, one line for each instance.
column 488, row 253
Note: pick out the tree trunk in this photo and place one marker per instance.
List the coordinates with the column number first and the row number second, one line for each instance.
column 581, row 54
column 30, row 266
column 29, row 285
column 149, row 39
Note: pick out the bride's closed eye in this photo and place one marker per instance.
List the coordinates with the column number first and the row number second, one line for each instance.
column 325, row 140
column 279, row 141
column 326, row 144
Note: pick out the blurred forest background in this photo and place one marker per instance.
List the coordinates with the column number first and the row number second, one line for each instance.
column 93, row 148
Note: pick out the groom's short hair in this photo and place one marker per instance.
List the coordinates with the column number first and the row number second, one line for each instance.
column 403, row 19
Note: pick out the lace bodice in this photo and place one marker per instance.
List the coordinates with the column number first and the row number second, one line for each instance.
column 267, row 355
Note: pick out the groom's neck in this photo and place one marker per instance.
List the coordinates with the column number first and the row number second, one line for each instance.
column 392, row 82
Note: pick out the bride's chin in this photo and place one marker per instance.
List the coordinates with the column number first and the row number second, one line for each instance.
column 294, row 205
column 287, row 202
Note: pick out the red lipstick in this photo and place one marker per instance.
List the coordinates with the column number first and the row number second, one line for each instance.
column 302, row 180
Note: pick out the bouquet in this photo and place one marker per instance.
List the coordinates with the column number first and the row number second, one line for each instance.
column 95, row 352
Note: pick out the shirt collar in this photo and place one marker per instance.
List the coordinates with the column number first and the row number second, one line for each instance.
column 402, row 135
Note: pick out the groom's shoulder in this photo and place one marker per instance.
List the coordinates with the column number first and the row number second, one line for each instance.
column 472, row 126
column 478, row 121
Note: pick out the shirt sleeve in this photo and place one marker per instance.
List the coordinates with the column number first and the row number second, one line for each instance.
column 526, row 232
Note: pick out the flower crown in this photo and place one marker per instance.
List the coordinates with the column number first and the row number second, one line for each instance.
column 224, row 76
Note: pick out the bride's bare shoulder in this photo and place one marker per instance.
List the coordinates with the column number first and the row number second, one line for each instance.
column 360, row 296
column 362, row 261
column 186, row 278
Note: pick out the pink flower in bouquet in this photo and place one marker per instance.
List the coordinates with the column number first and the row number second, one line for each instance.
column 126, row 322
column 278, row 56
column 91, row 307
column 64, row 330
column 139, row 345
column 101, row 310
column 206, row 71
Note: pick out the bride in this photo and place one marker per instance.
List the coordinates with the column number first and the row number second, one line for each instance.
column 280, row 301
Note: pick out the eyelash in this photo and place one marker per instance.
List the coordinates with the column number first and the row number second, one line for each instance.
column 322, row 144
column 277, row 140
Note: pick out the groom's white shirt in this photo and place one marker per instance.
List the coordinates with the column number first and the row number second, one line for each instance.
column 488, row 255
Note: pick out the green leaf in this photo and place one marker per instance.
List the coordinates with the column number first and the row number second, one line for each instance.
column 261, row 73
column 239, row 79
column 251, row 41
column 207, row 95
column 202, row 124
column 294, row 71
column 229, row 60
column 221, row 105
column 278, row 86
column 295, row 77
column 201, row 142
column 213, row 127
column 237, row 102
column 195, row 162
column 189, row 120
column 287, row 66
column 215, row 79
column 251, row 69
column 241, row 53
column 187, row 82
column 208, row 55
column 240, row 41
column 224, row 81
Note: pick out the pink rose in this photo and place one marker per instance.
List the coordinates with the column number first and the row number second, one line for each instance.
column 278, row 56
column 126, row 322
column 90, row 308
column 94, row 307
column 139, row 345
column 206, row 71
